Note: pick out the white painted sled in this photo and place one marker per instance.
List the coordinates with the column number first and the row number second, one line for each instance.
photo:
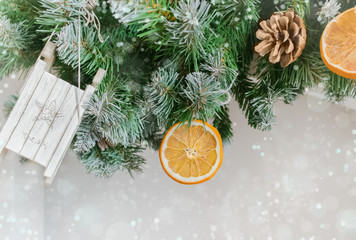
column 46, row 116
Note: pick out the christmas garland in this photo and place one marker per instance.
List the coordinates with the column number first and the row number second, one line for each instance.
column 173, row 62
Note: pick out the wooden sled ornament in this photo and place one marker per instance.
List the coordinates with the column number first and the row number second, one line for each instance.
column 46, row 115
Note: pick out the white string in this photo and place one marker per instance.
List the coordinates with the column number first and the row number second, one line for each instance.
column 50, row 37
column 79, row 43
column 90, row 17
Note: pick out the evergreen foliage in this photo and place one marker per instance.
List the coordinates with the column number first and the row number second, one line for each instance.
column 163, row 93
column 204, row 97
column 111, row 115
column 9, row 104
column 17, row 33
column 59, row 12
column 223, row 124
column 185, row 35
column 166, row 62
column 105, row 163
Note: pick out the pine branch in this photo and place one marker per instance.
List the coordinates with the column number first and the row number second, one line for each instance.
column 127, row 11
column 163, row 93
column 14, row 40
column 101, row 112
column 301, row 7
column 234, row 12
column 185, row 35
column 262, row 94
column 202, row 98
column 61, row 12
column 217, row 65
column 104, row 164
column 113, row 116
column 338, row 89
column 149, row 15
column 9, row 104
column 152, row 135
column 223, row 124
column 94, row 54
column 238, row 25
column 307, row 71
column 87, row 135
column 18, row 11
column 138, row 11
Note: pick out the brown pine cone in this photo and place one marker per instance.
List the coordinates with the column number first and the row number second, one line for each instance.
column 104, row 144
column 283, row 37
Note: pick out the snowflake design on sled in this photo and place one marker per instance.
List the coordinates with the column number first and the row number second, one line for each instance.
column 48, row 112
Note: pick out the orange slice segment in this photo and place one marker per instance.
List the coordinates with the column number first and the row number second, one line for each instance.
column 191, row 155
column 338, row 44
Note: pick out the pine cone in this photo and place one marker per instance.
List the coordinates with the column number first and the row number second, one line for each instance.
column 104, row 144
column 283, row 36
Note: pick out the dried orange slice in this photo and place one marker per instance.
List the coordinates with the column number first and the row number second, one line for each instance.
column 191, row 155
column 338, row 44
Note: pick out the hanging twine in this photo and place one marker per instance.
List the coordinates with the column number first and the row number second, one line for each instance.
column 79, row 43
column 90, row 17
column 50, row 37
